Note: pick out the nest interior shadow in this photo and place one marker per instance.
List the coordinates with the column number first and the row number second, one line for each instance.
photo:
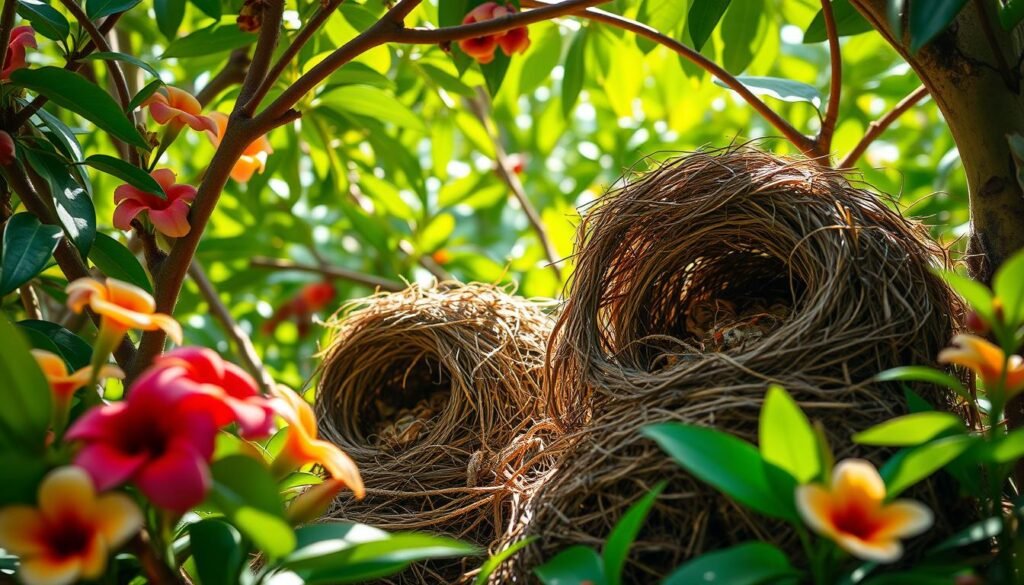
column 697, row 285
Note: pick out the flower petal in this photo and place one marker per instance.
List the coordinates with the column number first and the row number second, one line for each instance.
column 117, row 518
column 905, row 518
column 21, row 530
column 66, row 490
column 47, row 570
column 176, row 481
column 82, row 291
column 125, row 212
column 108, row 466
column 171, row 221
column 815, row 506
column 94, row 557
column 857, row 480
column 880, row 550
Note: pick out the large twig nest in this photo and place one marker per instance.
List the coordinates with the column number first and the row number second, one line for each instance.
column 435, row 392
column 696, row 286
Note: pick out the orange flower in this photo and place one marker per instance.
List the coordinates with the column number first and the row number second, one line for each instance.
column 178, row 108
column 987, row 360
column 302, row 447
column 71, row 533
column 63, row 384
column 252, row 161
column 852, row 512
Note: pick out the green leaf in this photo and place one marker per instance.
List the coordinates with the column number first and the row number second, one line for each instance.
column 452, row 12
column 169, row 14
column 218, row 38
column 739, row 33
column 75, row 210
column 616, row 548
column 703, row 18
column 923, row 374
column 56, row 339
column 576, row 565
column 1011, row 13
column 117, row 261
column 494, row 72
column 575, row 69
column 211, row 8
column 28, row 245
column 25, row 416
column 125, row 58
column 217, row 550
column 915, row 403
column 977, row 295
column 1008, row 286
column 22, row 474
column 929, row 19
column 786, row 437
column 910, row 430
column 1009, row 447
column 436, row 233
column 75, row 93
column 786, row 90
column 750, row 563
column 495, row 561
column 729, row 464
column 444, row 80
column 980, row 531
column 849, row 22
column 45, row 19
column 144, row 93
column 127, row 172
column 909, row 466
column 247, row 495
column 373, row 102
column 666, row 16
column 96, row 9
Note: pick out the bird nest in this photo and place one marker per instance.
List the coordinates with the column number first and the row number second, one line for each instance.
column 697, row 285
column 435, row 393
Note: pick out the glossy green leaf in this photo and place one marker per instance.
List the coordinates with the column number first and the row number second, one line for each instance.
column 247, row 495
column 910, row 430
column 211, row 8
column 217, row 550
column 751, row 563
column 915, row 403
column 739, row 33
column 910, row 466
column 729, row 464
column 575, row 70
column 616, row 548
column 977, row 295
column 849, row 22
column 1011, row 13
column 923, row 374
column 446, row 80
column 666, row 16
column 373, row 102
column 77, row 94
column 494, row 72
column 452, row 12
column 703, row 18
column 1009, row 447
column 28, row 245
column 786, row 437
column 45, row 19
column 97, row 9
column 124, row 58
column 144, row 93
column 117, row 261
column 495, row 561
column 929, row 19
column 127, row 172
column 75, row 210
column 1008, row 286
column 169, row 14
column 56, row 339
column 25, row 416
column 980, row 531
column 780, row 89
column 219, row 38
column 576, row 565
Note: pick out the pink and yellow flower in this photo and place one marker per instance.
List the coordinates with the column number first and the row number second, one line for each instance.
column 852, row 512
column 64, row 384
column 253, row 159
column 1001, row 373
column 169, row 216
column 21, row 37
column 302, row 447
column 178, row 108
column 72, row 532
column 515, row 40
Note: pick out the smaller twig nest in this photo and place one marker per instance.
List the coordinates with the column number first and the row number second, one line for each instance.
column 435, row 394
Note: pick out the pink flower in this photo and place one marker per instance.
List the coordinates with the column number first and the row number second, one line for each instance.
column 512, row 41
column 178, row 108
column 150, row 439
column 169, row 216
column 219, row 388
column 21, row 37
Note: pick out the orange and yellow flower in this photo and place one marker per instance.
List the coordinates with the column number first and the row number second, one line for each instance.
column 64, row 384
column 852, row 512
column 253, row 159
column 72, row 532
column 302, row 447
column 178, row 108
column 1001, row 374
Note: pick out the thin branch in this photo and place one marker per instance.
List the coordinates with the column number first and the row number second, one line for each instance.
column 30, row 301
column 542, row 11
column 806, row 145
column 6, row 26
column 505, row 169
column 270, row 32
column 246, row 349
column 330, row 272
column 876, row 128
column 828, row 124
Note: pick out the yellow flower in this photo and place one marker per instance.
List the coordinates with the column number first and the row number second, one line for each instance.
column 302, row 447
column 852, row 512
column 64, row 384
column 987, row 360
column 72, row 532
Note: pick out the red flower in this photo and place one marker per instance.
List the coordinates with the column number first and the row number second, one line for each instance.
column 169, row 216
column 21, row 37
column 512, row 41
column 150, row 439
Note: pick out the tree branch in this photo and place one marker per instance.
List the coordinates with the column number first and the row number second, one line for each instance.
column 828, row 124
column 876, row 128
column 270, row 31
column 330, row 272
column 806, row 145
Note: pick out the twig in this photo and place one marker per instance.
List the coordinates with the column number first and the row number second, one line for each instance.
column 156, row 569
column 329, row 271
column 828, row 124
column 6, row 26
column 876, row 128
column 806, row 145
column 245, row 347
column 270, row 31
column 505, row 169
column 30, row 301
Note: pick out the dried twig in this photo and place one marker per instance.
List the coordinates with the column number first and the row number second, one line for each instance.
column 330, row 272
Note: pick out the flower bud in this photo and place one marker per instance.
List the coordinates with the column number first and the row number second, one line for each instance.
column 6, row 148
